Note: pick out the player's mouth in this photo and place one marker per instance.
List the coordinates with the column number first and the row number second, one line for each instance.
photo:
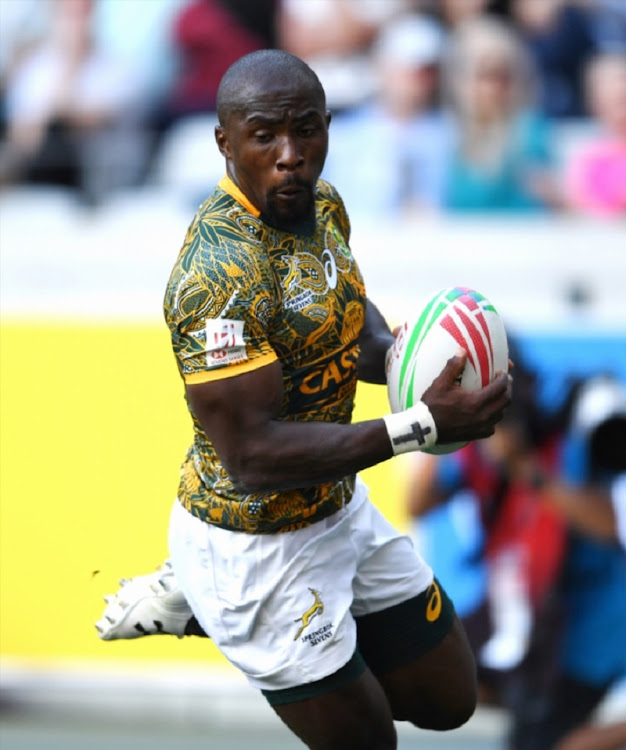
column 289, row 193
column 291, row 190
column 290, row 205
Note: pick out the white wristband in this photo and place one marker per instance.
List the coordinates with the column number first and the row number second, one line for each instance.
column 411, row 430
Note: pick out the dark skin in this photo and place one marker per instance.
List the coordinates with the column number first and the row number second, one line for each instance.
column 275, row 149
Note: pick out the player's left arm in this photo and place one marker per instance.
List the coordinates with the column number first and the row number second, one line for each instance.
column 374, row 342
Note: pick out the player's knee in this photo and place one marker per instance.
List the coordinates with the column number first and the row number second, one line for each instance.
column 450, row 717
column 442, row 715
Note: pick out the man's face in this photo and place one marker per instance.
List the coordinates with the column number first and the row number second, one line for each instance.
column 275, row 150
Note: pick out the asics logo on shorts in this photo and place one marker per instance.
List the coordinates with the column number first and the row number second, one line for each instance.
column 315, row 609
column 433, row 607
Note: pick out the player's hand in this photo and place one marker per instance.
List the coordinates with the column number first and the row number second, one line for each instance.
column 462, row 415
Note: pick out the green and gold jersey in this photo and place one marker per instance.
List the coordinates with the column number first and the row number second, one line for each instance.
column 242, row 295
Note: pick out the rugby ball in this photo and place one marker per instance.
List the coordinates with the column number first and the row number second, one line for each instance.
column 453, row 317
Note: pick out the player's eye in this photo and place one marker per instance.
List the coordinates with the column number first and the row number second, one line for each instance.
column 262, row 136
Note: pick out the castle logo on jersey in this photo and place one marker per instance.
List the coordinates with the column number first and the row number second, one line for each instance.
column 224, row 342
column 320, row 634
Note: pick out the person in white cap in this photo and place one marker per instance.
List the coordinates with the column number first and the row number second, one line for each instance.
column 389, row 157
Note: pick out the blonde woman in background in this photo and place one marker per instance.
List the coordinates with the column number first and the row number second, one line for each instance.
column 503, row 159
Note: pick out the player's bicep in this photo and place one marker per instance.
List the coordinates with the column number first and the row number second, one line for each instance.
column 235, row 412
column 374, row 341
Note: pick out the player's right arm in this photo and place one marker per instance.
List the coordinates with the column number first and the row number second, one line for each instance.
column 261, row 452
column 220, row 306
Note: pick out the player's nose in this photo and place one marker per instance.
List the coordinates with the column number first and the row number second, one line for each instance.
column 289, row 155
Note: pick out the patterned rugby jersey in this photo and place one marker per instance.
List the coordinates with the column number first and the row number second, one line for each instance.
column 242, row 295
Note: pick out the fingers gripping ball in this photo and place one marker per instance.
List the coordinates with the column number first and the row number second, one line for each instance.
column 453, row 317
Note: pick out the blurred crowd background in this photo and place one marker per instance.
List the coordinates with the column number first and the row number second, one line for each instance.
column 458, row 105
column 504, row 113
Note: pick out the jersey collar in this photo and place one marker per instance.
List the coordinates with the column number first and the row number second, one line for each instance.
column 228, row 186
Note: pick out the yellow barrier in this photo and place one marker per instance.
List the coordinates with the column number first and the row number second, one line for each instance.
column 93, row 430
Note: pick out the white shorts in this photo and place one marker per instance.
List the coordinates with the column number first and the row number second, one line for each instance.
column 281, row 607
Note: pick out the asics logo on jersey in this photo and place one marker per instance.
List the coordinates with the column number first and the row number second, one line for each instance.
column 315, row 609
column 433, row 608
column 330, row 268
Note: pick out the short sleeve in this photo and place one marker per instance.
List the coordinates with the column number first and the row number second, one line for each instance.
column 219, row 307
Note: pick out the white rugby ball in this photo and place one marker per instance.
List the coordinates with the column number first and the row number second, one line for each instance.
column 453, row 317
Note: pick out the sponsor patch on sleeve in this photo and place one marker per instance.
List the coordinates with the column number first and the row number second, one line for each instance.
column 225, row 344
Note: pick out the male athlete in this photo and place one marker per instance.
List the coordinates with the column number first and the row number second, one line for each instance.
column 279, row 553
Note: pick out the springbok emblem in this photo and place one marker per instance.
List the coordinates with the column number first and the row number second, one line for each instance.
column 315, row 609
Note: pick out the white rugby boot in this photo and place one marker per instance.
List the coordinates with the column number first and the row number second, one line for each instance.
column 145, row 605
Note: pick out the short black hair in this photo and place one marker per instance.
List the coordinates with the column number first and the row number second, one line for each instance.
column 252, row 70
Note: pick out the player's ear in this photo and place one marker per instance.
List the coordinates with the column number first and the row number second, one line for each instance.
column 222, row 141
column 329, row 117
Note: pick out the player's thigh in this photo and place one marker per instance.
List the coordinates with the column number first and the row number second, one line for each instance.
column 419, row 652
column 355, row 716
column 438, row 689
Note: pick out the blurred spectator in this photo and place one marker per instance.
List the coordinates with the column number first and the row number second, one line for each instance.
column 608, row 23
column 390, row 155
column 497, row 550
column 527, row 531
column 560, row 38
column 448, row 532
column 22, row 25
column 503, row 155
column 209, row 35
column 589, row 492
column 140, row 33
column 69, row 109
column 454, row 13
column 595, row 180
column 335, row 37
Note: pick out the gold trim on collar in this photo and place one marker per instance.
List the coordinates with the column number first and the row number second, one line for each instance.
column 228, row 186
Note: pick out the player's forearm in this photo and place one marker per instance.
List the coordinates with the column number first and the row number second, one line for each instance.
column 301, row 454
column 282, row 455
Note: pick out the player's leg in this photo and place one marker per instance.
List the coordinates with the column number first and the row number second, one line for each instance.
column 278, row 607
column 332, row 714
column 424, row 663
column 436, row 690
column 407, row 630
column 423, row 669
